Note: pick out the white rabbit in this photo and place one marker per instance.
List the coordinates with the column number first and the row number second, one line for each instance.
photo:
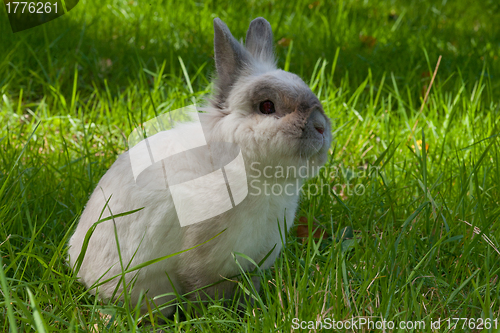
column 276, row 121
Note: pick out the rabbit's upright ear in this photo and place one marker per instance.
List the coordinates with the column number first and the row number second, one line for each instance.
column 230, row 58
column 260, row 40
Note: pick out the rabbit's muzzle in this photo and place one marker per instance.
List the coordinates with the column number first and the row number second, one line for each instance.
column 316, row 137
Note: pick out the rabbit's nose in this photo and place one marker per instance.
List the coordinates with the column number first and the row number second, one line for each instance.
column 318, row 121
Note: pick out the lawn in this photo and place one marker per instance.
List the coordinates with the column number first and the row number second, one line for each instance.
column 412, row 88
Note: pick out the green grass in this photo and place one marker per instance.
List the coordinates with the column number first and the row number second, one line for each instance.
column 72, row 89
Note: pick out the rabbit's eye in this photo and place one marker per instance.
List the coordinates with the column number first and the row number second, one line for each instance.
column 267, row 107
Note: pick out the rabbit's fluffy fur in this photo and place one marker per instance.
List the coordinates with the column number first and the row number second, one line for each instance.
column 296, row 134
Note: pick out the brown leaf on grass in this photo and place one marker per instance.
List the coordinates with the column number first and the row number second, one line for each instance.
column 284, row 42
column 314, row 4
column 426, row 74
column 303, row 230
column 368, row 41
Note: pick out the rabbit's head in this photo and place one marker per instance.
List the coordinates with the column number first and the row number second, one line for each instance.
column 270, row 113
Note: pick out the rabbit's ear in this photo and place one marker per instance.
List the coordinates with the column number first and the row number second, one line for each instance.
column 260, row 40
column 230, row 58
